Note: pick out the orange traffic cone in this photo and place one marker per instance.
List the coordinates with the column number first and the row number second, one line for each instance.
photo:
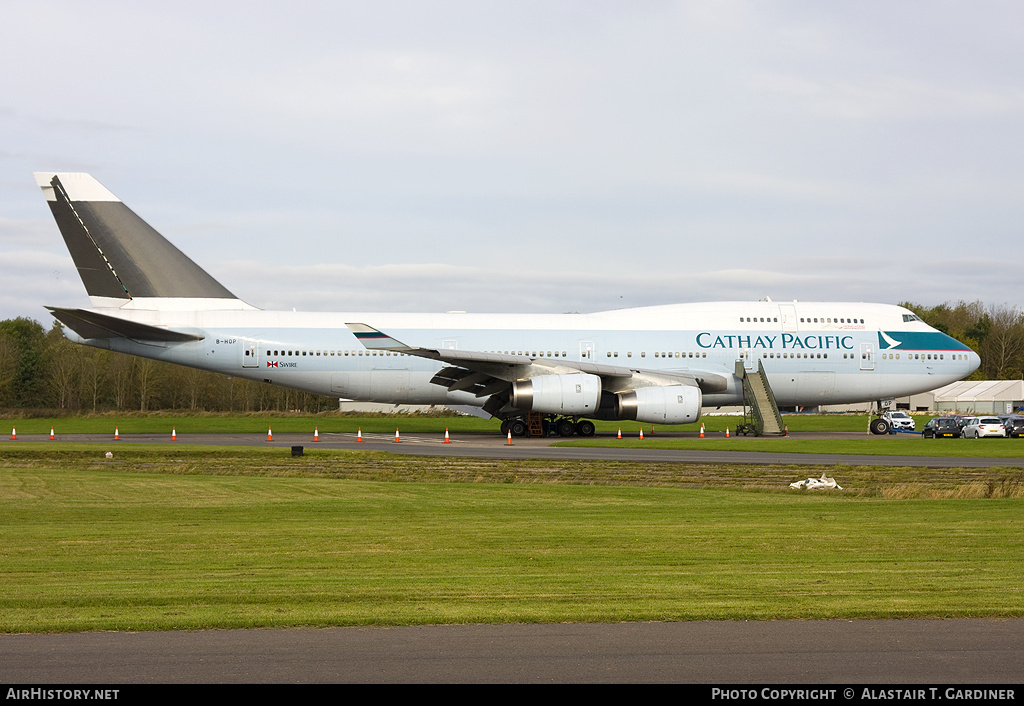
column 397, row 439
column 620, row 433
column 117, row 434
column 641, row 433
column 51, row 434
column 727, row 432
column 359, row 435
column 174, row 434
column 270, row 436
column 702, row 430
column 14, row 434
column 316, row 434
column 446, row 439
column 509, row 442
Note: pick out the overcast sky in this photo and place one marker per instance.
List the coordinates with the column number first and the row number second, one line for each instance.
column 528, row 156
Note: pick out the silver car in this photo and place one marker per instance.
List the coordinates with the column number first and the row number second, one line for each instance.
column 979, row 427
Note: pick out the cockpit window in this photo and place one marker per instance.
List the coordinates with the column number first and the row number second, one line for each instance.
column 911, row 317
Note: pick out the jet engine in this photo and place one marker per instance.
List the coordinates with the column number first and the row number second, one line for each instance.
column 673, row 404
column 578, row 393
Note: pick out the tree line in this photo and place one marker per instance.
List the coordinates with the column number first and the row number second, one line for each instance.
column 996, row 333
column 40, row 369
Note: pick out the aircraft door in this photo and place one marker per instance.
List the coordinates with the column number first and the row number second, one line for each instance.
column 787, row 316
column 587, row 351
column 867, row 356
column 250, row 353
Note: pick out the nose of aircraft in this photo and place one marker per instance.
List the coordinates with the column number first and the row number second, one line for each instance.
column 973, row 362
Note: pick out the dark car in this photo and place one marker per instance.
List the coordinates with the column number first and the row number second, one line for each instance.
column 941, row 428
column 1014, row 426
column 961, row 421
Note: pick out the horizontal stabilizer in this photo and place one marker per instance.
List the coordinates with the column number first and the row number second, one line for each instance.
column 90, row 324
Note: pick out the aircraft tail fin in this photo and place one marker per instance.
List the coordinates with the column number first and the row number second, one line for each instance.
column 122, row 260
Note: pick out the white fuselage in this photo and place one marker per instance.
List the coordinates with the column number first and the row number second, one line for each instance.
column 812, row 353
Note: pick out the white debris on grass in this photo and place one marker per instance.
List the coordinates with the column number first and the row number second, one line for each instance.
column 816, row 483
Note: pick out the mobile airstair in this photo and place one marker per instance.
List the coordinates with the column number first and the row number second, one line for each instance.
column 761, row 415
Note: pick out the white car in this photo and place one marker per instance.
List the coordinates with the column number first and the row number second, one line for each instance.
column 899, row 420
column 978, row 427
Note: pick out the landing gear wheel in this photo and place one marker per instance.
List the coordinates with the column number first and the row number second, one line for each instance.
column 505, row 426
column 585, row 427
column 879, row 427
column 565, row 427
column 518, row 427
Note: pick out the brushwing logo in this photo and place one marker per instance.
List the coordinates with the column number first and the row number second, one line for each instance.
column 889, row 340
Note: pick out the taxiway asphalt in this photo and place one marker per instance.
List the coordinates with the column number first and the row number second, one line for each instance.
column 840, row 652
column 494, row 446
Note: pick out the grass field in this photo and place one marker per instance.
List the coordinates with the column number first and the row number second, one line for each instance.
column 899, row 445
column 200, row 537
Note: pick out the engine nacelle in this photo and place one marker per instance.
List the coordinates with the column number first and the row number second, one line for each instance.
column 674, row 404
column 579, row 393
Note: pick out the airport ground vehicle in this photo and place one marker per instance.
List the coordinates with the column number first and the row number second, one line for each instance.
column 941, row 428
column 979, row 427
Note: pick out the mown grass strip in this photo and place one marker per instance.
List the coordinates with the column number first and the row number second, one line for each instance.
column 900, row 445
column 213, row 538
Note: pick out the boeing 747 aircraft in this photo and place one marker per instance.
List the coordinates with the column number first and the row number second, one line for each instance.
column 658, row 364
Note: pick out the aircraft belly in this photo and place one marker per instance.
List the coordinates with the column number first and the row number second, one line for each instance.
column 391, row 386
column 817, row 387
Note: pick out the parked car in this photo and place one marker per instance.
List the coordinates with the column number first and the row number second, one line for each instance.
column 979, row 427
column 962, row 420
column 899, row 420
column 1014, row 425
column 941, row 428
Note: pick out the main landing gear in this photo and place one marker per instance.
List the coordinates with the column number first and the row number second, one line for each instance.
column 879, row 427
column 551, row 425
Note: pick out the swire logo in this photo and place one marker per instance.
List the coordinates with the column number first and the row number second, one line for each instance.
column 271, row 364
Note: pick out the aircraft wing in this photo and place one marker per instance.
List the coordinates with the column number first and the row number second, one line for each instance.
column 490, row 374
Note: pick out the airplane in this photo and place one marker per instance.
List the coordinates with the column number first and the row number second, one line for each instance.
column 655, row 364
